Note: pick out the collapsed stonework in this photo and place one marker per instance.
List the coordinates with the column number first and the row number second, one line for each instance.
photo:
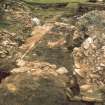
column 15, row 26
column 89, row 53
column 8, row 48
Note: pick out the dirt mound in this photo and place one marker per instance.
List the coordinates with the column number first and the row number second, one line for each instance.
column 38, row 83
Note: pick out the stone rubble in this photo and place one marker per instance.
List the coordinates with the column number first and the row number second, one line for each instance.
column 89, row 51
column 91, row 54
column 25, row 66
column 17, row 19
column 7, row 43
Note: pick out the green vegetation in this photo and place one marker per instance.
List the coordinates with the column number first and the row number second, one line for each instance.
column 3, row 24
column 54, row 1
column 72, row 3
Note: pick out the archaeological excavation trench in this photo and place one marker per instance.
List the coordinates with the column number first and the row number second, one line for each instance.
column 59, row 61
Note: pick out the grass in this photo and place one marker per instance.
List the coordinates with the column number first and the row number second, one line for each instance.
column 54, row 1
column 72, row 3
column 46, row 13
column 3, row 24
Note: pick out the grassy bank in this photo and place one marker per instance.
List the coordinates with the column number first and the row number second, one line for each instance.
column 72, row 3
column 54, row 1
